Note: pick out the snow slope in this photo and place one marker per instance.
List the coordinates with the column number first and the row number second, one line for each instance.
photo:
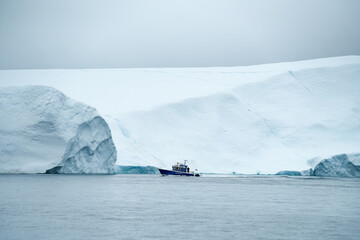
column 266, row 126
column 37, row 123
column 246, row 119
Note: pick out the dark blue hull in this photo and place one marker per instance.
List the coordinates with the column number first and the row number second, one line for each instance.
column 165, row 172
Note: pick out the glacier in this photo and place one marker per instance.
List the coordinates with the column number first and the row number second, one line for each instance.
column 267, row 126
column 245, row 119
column 41, row 128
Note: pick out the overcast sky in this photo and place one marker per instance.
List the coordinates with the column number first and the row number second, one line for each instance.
column 174, row 33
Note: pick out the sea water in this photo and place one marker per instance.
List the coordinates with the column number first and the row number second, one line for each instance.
column 155, row 207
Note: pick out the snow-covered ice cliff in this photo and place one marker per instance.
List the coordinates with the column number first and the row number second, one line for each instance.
column 37, row 125
column 245, row 119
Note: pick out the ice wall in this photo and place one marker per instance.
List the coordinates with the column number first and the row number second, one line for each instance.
column 269, row 125
column 242, row 119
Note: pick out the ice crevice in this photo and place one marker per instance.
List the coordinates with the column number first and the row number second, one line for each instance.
column 254, row 112
column 293, row 76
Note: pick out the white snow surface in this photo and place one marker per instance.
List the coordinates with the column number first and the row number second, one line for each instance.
column 263, row 118
column 36, row 124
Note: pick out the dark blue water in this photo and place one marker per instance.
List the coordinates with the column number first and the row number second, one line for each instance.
column 154, row 207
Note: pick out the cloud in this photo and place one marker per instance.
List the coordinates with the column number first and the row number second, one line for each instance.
column 162, row 33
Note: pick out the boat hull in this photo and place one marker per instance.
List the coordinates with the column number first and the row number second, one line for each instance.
column 165, row 172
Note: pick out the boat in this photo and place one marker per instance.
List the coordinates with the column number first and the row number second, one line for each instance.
column 179, row 170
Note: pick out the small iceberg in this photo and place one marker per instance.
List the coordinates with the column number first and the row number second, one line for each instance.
column 289, row 173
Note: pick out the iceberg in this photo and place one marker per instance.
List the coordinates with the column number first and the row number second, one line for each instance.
column 342, row 165
column 289, row 173
column 42, row 129
column 337, row 166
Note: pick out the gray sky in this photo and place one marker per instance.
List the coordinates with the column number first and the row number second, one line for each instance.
column 174, row 33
